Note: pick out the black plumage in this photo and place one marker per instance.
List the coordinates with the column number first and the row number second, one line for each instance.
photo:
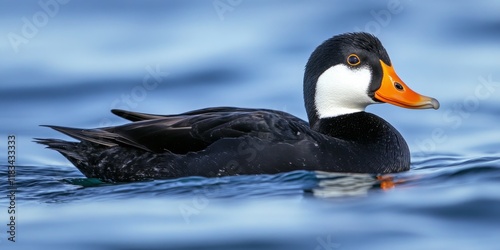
column 232, row 141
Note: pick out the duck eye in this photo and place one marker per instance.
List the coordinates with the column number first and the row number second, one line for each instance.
column 353, row 60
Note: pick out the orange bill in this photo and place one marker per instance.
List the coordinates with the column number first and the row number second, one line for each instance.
column 394, row 91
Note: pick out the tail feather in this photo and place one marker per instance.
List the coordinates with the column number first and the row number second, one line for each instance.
column 109, row 164
column 66, row 148
column 98, row 136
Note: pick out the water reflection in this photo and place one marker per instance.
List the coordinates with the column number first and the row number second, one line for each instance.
column 332, row 185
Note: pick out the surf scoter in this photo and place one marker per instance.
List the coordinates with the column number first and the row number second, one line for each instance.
column 344, row 74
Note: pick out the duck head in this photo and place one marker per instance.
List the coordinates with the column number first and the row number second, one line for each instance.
column 348, row 72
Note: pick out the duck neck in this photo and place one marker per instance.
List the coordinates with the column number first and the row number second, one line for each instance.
column 371, row 141
column 360, row 127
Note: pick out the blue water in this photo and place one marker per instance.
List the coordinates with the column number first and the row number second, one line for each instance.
column 73, row 61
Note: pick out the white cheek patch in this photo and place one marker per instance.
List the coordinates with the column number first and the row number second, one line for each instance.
column 342, row 90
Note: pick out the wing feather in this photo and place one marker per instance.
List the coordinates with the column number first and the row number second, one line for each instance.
column 194, row 130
